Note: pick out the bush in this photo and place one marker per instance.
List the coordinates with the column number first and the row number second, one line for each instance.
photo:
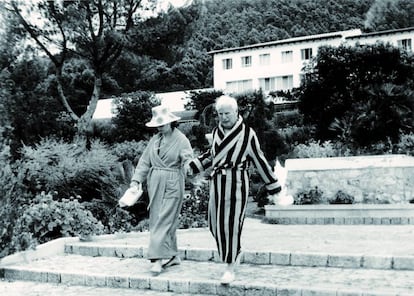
column 342, row 198
column 116, row 219
column 129, row 150
column 73, row 170
column 315, row 149
column 195, row 207
column 14, row 197
column 133, row 111
column 286, row 119
column 406, row 144
column 47, row 219
column 362, row 94
column 313, row 196
column 295, row 135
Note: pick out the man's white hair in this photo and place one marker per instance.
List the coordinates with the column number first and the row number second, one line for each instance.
column 225, row 100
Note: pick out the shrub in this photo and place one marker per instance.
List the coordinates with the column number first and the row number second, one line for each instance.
column 406, row 144
column 295, row 135
column 129, row 150
column 104, row 130
column 195, row 207
column 286, row 119
column 315, row 149
column 73, row 170
column 313, row 196
column 133, row 111
column 198, row 139
column 14, row 197
column 116, row 219
column 47, row 219
column 342, row 198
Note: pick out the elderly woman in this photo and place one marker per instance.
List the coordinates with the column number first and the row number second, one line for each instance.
column 163, row 165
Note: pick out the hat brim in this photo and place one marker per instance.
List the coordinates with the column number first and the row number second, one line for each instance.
column 154, row 123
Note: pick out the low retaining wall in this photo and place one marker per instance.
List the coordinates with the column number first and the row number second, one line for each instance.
column 369, row 179
column 341, row 214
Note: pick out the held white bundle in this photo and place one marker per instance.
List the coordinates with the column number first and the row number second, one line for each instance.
column 130, row 196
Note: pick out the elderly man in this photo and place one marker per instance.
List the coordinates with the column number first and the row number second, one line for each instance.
column 234, row 147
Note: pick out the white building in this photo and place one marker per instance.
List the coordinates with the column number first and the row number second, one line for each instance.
column 271, row 66
column 175, row 100
column 278, row 65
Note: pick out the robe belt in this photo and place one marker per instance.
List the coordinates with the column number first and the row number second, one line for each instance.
column 228, row 167
column 166, row 169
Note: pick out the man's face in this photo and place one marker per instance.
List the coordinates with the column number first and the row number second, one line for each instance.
column 227, row 116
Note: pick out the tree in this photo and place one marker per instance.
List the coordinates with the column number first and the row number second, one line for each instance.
column 94, row 31
column 361, row 94
column 132, row 112
column 390, row 14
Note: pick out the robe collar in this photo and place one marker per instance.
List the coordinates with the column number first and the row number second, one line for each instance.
column 222, row 142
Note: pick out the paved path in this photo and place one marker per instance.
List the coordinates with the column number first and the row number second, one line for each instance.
column 257, row 236
column 373, row 240
column 22, row 288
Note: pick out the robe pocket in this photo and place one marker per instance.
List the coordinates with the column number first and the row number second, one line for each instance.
column 172, row 188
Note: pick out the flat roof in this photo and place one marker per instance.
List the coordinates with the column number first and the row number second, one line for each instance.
column 379, row 33
column 330, row 35
column 348, row 34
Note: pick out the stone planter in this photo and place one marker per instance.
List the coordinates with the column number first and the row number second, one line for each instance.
column 341, row 214
column 369, row 179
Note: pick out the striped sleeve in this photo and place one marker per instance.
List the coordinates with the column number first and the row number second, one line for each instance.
column 201, row 163
column 262, row 166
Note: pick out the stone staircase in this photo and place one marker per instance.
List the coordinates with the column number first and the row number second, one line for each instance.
column 118, row 264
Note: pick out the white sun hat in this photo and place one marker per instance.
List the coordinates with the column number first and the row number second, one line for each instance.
column 161, row 115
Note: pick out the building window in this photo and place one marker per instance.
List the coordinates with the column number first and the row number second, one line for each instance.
column 227, row 64
column 268, row 83
column 405, row 44
column 287, row 56
column 306, row 53
column 239, row 86
column 284, row 82
column 246, row 61
column 264, row 59
column 276, row 83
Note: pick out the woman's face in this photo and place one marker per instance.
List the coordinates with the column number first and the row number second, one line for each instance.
column 165, row 128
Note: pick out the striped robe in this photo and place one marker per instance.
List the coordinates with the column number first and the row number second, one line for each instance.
column 229, row 158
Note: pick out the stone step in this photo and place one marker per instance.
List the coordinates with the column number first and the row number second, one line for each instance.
column 321, row 259
column 202, row 277
column 29, row 288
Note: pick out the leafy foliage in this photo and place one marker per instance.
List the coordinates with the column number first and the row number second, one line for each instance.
column 406, row 144
column 72, row 170
column 315, row 149
column 133, row 111
column 313, row 196
column 13, row 199
column 342, row 198
column 32, row 113
column 390, row 14
column 47, row 219
column 195, row 207
column 360, row 94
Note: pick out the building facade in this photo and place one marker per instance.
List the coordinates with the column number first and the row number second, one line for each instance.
column 278, row 65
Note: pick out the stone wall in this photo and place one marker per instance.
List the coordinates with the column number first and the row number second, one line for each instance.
column 369, row 179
